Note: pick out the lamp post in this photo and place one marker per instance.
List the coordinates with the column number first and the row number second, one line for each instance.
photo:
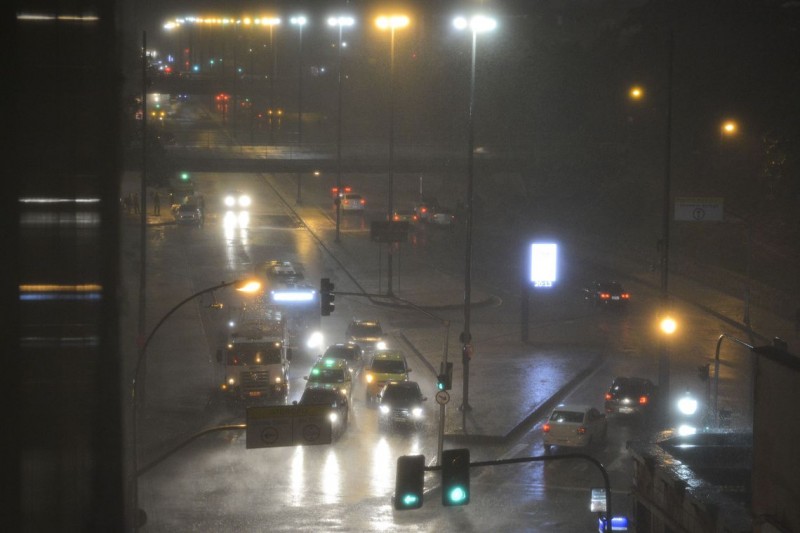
column 300, row 21
column 391, row 23
column 271, row 22
column 340, row 23
column 476, row 24
column 241, row 286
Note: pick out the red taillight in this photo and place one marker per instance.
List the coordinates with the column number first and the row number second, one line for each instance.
column 581, row 430
column 233, row 360
column 415, row 218
column 423, row 210
column 625, row 296
column 363, row 202
column 608, row 396
column 396, row 218
column 643, row 400
column 604, row 296
column 546, row 428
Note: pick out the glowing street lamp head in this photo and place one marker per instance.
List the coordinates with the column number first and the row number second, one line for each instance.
column 668, row 325
column 392, row 22
column 341, row 21
column 299, row 20
column 636, row 93
column 729, row 127
column 476, row 23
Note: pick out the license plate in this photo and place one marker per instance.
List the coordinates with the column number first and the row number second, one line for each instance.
column 254, row 394
column 615, row 297
column 625, row 409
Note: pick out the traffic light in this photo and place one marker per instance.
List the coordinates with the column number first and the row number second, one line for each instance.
column 409, row 482
column 703, row 372
column 445, row 377
column 326, row 297
column 455, row 477
column 185, row 176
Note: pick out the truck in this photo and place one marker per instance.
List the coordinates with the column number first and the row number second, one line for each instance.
column 256, row 358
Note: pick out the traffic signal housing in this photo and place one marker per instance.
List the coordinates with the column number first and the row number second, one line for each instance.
column 455, row 477
column 409, row 482
column 445, row 377
column 326, row 297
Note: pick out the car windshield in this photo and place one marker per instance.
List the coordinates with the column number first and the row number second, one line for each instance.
column 610, row 287
column 326, row 375
column 571, row 417
column 629, row 387
column 401, row 394
column 341, row 352
column 388, row 366
column 365, row 330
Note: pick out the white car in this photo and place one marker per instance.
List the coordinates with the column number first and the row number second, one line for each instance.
column 353, row 202
column 574, row 426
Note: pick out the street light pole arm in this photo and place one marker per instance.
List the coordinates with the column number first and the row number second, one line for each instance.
column 143, row 348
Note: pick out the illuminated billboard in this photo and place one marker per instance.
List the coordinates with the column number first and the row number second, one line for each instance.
column 544, row 260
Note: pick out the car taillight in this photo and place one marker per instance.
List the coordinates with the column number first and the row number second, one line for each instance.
column 396, row 218
column 643, row 400
column 604, row 296
column 233, row 360
column 625, row 296
column 363, row 202
column 608, row 396
column 581, row 430
column 546, row 428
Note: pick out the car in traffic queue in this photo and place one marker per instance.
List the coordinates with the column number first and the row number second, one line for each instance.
column 574, row 426
column 236, row 200
column 385, row 366
column 331, row 373
column 350, row 352
column 368, row 334
column 353, row 202
column 443, row 217
column 405, row 215
column 610, row 293
column 401, row 403
column 338, row 403
column 188, row 214
column 425, row 209
column 631, row 396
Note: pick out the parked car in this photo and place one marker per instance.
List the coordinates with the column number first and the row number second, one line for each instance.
column 400, row 402
column 574, row 426
column 631, row 396
column 607, row 293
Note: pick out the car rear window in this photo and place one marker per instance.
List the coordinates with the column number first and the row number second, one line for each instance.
column 573, row 417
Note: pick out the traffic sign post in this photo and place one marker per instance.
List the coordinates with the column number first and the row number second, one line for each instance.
column 288, row 425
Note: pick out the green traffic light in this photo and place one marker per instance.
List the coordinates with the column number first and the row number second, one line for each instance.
column 184, row 176
column 440, row 385
column 410, row 500
column 457, row 495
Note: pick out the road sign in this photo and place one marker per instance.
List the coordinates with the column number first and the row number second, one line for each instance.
column 288, row 425
column 442, row 397
column 699, row 209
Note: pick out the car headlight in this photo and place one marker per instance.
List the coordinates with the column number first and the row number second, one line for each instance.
column 417, row 412
column 384, row 409
column 231, row 381
column 370, row 378
column 380, row 345
column 333, row 417
column 278, row 379
column 244, row 201
column 230, row 201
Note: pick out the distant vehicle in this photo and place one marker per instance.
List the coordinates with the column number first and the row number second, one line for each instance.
column 607, row 293
column 331, row 373
column 237, row 200
column 574, row 426
column 188, row 214
column 353, row 202
column 350, row 352
column 631, row 396
column 443, row 217
column 339, row 407
column 425, row 209
column 400, row 402
column 368, row 334
column 405, row 215
column 345, row 189
column 386, row 365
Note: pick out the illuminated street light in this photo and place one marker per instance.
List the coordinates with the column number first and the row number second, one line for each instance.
column 668, row 325
column 476, row 24
column 300, row 21
column 729, row 127
column 391, row 23
column 339, row 22
column 636, row 93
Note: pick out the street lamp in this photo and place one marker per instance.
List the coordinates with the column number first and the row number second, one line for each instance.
column 476, row 24
column 271, row 22
column 245, row 286
column 729, row 127
column 636, row 93
column 300, row 21
column 391, row 23
column 339, row 22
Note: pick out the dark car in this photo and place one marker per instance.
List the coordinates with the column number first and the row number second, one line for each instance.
column 339, row 404
column 400, row 402
column 188, row 214
column 607, row 293
column 368, row 334
column 631, row 396
column 350, row 352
